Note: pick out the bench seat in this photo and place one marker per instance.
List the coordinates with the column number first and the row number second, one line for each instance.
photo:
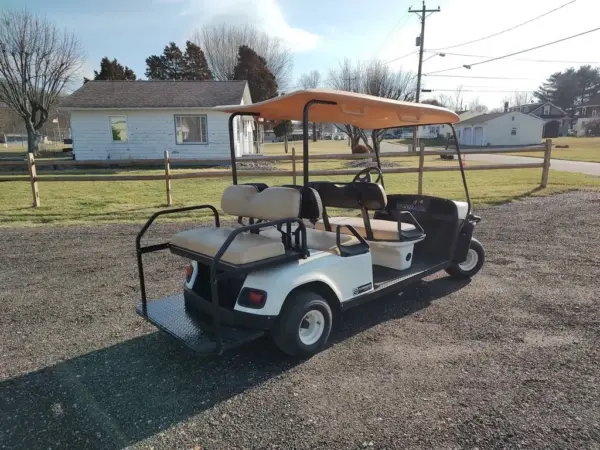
column 383, row 230
column 244, row 249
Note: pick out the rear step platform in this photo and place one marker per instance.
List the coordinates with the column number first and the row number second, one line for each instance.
column 169, row 314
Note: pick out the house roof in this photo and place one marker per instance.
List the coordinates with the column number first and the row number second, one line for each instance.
column 482, row 118
column 155, row 94
column 594, row 101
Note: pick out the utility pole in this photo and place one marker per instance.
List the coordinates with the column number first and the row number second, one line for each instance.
column 421, row 43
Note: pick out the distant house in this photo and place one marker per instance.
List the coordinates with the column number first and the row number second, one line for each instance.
column 556, row 121
column 443, row 131
column 142, row 119
column 587, row 114
column 500, row 129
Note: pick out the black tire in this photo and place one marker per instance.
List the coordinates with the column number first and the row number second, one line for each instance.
column 286, row 333
column 476, row 250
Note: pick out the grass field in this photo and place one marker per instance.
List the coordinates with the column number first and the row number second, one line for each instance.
column 17, row 150
column 580, row 149
column 64, row 203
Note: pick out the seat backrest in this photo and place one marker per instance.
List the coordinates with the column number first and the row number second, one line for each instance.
column 354, row 195
column 269, row 204
column 311, row 207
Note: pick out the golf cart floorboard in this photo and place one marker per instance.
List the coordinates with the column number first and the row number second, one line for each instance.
column 169, row 314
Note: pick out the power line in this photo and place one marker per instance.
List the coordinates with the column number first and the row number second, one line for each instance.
column 477, row 90
column 402, row 57
column 516, row 59
column 468, row 66
column 508, row 29
column 405, row 18
column 482, row 77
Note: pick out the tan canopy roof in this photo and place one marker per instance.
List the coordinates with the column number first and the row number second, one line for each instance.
column 365, row 111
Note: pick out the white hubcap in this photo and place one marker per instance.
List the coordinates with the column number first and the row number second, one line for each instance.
column 470, row 262
column 311, row 327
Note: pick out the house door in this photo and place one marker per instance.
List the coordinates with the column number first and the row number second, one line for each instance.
column 467, row 136
column 551, row 129
column 478, row 136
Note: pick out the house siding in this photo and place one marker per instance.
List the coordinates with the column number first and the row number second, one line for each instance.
column 529, row 130
column 497, row 131
column 149, row 132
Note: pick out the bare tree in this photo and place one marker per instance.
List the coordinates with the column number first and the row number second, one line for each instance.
column 37, row 61
column 347, row 77
column 373, row 78
column 476, row 106
column 519, row 98
column 311, row 80
column 379, row 80
column 221, row 44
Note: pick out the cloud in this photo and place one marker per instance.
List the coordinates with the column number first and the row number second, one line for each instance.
column 266, row 15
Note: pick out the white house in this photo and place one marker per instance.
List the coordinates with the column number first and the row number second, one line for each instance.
column 434, row 131
column 500, row 129
column 142, row 119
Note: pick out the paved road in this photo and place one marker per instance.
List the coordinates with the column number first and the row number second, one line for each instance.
column 588, row 168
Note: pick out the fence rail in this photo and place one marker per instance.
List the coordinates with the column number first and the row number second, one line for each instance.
column 168, row 162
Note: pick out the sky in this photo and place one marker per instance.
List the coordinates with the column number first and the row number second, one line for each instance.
column 321, row 33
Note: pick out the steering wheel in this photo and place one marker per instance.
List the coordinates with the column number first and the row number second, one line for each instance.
column 364, row 176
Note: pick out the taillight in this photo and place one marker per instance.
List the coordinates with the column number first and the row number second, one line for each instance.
column 189, row 270
column 256, row 298
column 252, row 298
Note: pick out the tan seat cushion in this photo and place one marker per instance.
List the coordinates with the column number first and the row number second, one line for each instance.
column 317, row 239
column 244, row 249
column 384, row 230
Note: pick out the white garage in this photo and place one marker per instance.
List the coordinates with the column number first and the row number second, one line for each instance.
column 500, row 129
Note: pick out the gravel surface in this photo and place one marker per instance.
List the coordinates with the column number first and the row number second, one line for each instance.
column 509, row 360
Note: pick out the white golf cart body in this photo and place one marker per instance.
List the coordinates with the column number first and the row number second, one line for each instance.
column 244, row 279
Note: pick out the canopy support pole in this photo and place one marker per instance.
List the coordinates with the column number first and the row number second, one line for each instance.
column 232, row 141
column 462, row 170
column 376, row 150
column 305, row 133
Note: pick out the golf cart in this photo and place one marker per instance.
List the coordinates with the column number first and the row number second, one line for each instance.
column 274, row 274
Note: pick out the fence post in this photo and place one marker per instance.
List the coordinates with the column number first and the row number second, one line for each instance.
column 421, row 164
column 546, row 168
column 33, row 179
column 168, row 178
column 293, row 165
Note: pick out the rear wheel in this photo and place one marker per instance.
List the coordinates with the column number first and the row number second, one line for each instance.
column 471, row 265
column 304, row 324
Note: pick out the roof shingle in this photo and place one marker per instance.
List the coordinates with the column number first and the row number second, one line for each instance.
column 155, row 94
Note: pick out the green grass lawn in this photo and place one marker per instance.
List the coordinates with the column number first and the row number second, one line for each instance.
column 580, row 149
column 90, row 203
column 18, row 150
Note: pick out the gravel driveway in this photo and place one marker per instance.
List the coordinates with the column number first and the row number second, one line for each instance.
column 510, row 359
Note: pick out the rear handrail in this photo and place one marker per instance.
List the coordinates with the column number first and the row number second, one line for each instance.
column 151, row 248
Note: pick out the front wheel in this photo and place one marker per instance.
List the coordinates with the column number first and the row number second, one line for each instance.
column 470, row 266
column 304, row 324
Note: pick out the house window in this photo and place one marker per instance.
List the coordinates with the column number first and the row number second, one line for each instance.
column 513, row 131
column 583, row 111
column 546, row 110
column 118, row 128
column 191, row 129
column 594, row 113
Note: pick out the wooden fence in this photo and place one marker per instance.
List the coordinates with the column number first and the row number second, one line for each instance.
column 167, row 162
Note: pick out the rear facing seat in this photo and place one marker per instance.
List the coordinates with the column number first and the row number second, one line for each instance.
column 261, row 203
column 244, row 201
